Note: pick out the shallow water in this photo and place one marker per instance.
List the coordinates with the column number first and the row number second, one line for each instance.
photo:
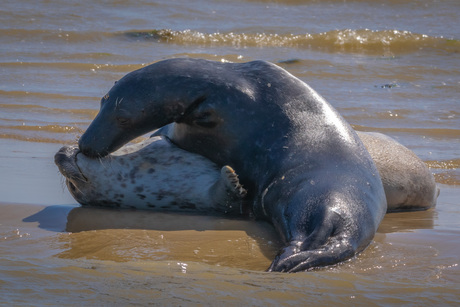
column 387, row 66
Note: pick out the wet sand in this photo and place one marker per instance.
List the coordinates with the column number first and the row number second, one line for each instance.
column 95, row 255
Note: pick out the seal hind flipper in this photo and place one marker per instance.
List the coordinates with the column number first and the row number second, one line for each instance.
column 329, row 243
column 291, row 261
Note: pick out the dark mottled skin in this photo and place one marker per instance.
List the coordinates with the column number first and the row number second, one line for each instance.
column 306, row 170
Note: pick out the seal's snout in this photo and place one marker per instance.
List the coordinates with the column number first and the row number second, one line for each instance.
column 64, row 154
column 65, row 159
column 91, row 151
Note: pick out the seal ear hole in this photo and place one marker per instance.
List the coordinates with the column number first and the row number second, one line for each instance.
column 190, row 110
column 206, row 119
column 202, row 115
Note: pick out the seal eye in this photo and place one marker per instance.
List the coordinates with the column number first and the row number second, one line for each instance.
column 123, row 121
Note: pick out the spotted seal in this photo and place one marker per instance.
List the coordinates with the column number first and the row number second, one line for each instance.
column 153, row 174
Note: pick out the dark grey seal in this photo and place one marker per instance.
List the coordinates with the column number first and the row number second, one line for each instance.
column 304, row 167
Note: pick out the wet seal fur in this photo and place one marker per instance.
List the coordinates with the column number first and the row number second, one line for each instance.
column 306, row 170
column 153, row 174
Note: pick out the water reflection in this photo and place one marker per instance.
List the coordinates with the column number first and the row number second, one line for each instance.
column 77, row 219
column 137, row 235
column 408, row 221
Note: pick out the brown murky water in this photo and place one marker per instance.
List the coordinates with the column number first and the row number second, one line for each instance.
column 387, row 66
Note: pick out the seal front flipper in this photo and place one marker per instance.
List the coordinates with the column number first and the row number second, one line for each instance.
column 227, row 192
column 230, row 178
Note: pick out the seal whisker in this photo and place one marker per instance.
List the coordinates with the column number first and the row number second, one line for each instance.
column 73, row 188
column 100, row 159
column 106, row 162
column 63, row 182
column 84, row 179
column 118, row 102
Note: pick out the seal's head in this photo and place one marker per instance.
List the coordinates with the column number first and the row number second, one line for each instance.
column 142, row 101
column 205, row 99
column 123, row 116
column 76, row 181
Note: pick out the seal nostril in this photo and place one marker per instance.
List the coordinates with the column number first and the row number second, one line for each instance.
column 71, row 186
